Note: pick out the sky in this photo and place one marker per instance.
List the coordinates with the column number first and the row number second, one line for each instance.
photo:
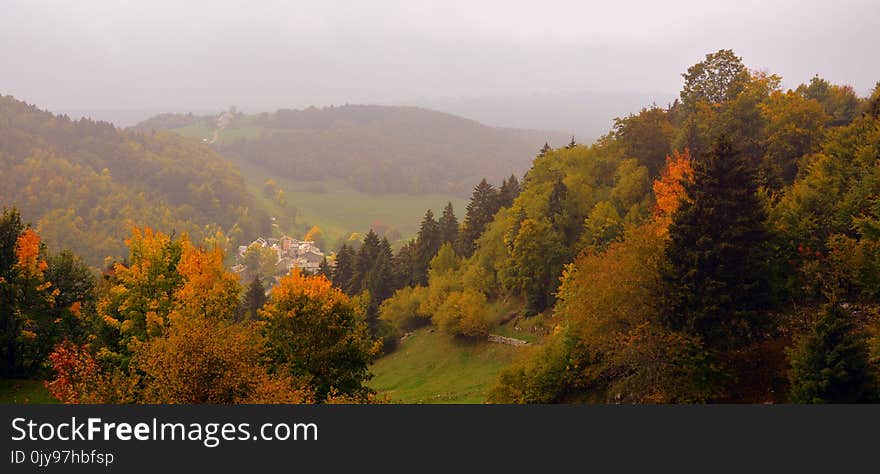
column 538, row 64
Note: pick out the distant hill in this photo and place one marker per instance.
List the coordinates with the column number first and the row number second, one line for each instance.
column 376, row 149
column 85, row 183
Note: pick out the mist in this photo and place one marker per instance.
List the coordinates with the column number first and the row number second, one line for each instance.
column 569, row 66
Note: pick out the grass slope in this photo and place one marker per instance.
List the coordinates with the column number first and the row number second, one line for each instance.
column 18, row 391
column 430, row 367
column 340, row 210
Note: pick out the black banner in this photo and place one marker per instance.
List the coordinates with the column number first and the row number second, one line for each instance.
column 416, row 438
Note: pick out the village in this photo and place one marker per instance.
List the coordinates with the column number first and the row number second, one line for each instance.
column 272, row 257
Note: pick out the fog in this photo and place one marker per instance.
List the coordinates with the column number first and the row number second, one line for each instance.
column 570, row 66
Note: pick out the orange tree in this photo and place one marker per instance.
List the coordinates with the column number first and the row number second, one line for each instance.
column 316, row 333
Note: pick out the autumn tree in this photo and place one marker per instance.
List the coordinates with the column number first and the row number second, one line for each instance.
column 316, row 235
column 795, row 127
column 260, row 261
column 315, row 334
column 669, row 187
column 717, row 78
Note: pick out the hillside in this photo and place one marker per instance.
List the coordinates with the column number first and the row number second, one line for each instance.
column 375, row 149
column 85, row 183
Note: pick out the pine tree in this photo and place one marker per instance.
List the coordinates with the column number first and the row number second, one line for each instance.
column 717, row 273
column 428, row 242
column 571, row 144
column 481, row 210
column 405, row 264
column 254, row 299
column 545, row 149
column 364, row 261
column 509, row 191
column 830, row 363
column 343, row 276
column 448, row 225
column 10, row 229
column 324, row 269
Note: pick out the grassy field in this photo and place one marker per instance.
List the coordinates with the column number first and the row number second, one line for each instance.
column 430, row 367
column 340, row 210
column 14, row 391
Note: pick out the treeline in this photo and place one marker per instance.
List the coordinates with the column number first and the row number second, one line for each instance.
column 372, row 271
column 723, row 248
column 85, row 183
column 169, row 326
column 375, row 149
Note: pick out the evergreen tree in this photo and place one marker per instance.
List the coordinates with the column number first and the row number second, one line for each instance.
column 343, row 276
column 717, row 276
column 365, row 261
column 509, row 191
column 448, row 225
column 254, row 299
column 379, row 280
column 571, row 144
column 545, row 149
column 481, row 210
column 428, row 242
column 324, row 269
column 830, row 363
column 10, row 228
column 405, row 264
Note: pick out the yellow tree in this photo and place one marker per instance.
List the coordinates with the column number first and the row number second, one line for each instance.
column 316, row 333
column 669, row 187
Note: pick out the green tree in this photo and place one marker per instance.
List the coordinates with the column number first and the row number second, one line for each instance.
column 717, row 275
column 343, row 275
column 481, row 209
column 254, row 299
column 448, row 225
column 428, row 242
column 509, row 191
column 315, row 333
column 10, row 228
column 714, row 80
column 829, row 364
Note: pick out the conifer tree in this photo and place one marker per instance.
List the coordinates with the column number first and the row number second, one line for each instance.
column 481, row 209
column 830, row 363
column 343, row 276
column 509, row 191
column 448, row 225
column 717, row 275
column 545, row 149
column 324, row 268
column 571, row 144
column 405, row 265
column 254, row 299
column 365, row 261
column 428, row 242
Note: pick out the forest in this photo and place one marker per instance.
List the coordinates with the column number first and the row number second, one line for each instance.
column 375, row 149
column 86, row 183
column 723, row 248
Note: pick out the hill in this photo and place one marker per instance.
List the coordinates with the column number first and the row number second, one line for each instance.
column 85, row 183
column 430, row 367
column 375, row 149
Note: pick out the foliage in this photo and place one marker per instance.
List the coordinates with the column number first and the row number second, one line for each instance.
column 718, row 276
column 314, row 333
column 829, row 364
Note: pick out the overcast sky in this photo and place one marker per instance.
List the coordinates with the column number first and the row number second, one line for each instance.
column 261, row 55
